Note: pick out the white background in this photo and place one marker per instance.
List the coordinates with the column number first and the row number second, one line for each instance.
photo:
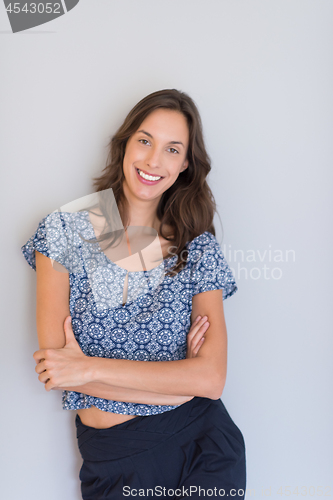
column 261, row 75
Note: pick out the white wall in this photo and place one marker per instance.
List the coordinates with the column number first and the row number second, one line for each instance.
column 261, row 74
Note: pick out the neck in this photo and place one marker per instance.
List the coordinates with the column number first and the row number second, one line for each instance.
column 142, row 212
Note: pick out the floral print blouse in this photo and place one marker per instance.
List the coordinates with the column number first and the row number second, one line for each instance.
column 153, row 323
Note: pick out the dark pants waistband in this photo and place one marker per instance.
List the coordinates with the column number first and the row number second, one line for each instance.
column 140, row 433
column 195, row 445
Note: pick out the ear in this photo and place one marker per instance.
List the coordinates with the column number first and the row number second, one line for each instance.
column 185, row 165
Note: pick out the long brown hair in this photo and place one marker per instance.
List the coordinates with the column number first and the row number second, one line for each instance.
column 188, row 206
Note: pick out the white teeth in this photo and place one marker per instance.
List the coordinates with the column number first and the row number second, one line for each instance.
column 148, row 177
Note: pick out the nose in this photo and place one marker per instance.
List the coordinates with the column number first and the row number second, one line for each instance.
column 154, row 158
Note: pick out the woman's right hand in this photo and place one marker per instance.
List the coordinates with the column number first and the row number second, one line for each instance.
column 195, row 337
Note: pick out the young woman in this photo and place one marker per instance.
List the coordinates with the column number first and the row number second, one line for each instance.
column 156, row 429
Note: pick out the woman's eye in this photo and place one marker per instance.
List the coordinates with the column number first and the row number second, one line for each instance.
column 145, row 141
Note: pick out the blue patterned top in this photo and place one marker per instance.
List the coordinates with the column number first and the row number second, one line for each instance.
column 152, row 325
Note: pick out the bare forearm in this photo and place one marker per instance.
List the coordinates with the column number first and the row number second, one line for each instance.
column 100, row 390
column 178, row 378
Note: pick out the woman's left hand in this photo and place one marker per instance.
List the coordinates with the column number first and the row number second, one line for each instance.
column 195, row 336
column 65, row 367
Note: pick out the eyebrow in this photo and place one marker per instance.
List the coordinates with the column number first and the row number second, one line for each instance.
column 149, row 135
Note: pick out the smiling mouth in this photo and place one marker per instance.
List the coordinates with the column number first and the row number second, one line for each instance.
column 148, row 177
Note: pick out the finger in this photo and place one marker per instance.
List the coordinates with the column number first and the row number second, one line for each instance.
column 40, row 367
column 199, row 334
column 195, row 349
column 69, row 334
column 49, row 385
column 199, row 344
column 195, row 322
column 196, row 325
column 193, row 332
column 43, row 377
column 39, row 355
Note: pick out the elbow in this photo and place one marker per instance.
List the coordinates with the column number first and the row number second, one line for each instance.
column 216, row 386
column 210, row 381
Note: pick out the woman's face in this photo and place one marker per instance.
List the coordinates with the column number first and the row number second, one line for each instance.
column 158, row 148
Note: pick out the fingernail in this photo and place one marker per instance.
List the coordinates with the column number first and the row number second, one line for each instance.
column 205, row 317
column 198, row 318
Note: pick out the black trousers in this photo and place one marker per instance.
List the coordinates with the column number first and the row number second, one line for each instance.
column 194, row 451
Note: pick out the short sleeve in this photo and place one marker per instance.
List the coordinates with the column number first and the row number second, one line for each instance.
column 52, row 238
column 210, row 270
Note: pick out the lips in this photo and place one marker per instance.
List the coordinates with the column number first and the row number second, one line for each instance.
column 145, row 181
column 147, row 173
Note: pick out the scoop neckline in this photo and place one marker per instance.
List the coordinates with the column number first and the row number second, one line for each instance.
column 111, row 261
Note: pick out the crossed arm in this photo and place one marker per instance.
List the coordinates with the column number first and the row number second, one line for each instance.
column 160, row 382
